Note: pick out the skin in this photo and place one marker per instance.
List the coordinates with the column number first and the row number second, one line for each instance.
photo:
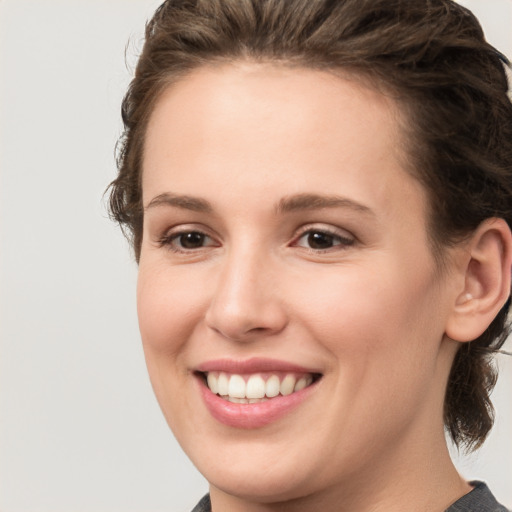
column 370, row 313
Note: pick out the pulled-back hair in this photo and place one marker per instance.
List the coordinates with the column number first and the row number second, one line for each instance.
column 430, row 55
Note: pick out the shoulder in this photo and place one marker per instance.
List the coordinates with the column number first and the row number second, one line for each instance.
column 480, row 499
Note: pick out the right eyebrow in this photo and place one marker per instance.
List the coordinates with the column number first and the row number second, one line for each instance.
column 195, row 204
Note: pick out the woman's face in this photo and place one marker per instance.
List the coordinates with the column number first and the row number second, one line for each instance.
column 285, row 246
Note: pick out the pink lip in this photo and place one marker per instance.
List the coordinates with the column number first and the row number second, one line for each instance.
column 251, row 416
column 253, row 365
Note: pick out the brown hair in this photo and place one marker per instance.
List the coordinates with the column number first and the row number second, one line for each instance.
column 431, row 55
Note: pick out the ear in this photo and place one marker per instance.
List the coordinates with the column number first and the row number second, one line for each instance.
column 487, row 268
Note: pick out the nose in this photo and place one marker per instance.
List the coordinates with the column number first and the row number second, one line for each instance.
column 246, row 304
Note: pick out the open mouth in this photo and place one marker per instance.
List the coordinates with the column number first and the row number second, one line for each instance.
column 256, row 387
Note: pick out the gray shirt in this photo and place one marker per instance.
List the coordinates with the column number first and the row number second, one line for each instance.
column 480, row 499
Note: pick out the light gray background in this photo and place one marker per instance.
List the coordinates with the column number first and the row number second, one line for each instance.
column 80, row 429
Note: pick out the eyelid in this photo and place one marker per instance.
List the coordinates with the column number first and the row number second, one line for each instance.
column 170, row 235
column 345, row 237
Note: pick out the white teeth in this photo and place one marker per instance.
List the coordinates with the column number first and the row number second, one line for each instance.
column 212, row 383
column 288, row 385
column 245, row 400
column 255, row 387
column 236, row 387
column 237, row 390
column 257, row 400
column 222, row 384
column 303, row 382
column 272, row 386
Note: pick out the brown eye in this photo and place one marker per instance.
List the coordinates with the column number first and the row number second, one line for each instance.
column 187, row 241
column 319, row 240
column 192, row 240
column 323, row 240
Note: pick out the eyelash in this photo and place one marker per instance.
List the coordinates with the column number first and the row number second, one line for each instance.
column 169, row 239
column 339, row 242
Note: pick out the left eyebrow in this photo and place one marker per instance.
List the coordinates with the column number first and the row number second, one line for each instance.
column 315, row 201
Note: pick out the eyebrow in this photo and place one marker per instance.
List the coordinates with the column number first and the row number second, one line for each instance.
column 289, row 204
column 195, row 204
column 315, row 201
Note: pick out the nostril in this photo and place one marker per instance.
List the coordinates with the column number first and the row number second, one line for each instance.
column 239, row 331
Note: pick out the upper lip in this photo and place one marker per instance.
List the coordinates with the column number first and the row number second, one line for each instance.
column 253, row 365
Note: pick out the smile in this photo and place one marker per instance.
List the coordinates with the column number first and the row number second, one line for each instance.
column 256, row 388
column 254, row 393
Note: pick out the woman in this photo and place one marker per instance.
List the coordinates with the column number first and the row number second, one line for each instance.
column 318, row 194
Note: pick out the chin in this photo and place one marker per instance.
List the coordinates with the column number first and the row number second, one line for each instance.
column 260, row 472
column 259, row 485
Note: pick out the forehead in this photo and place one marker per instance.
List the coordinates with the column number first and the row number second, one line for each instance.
column 270, row 128
column 264, row 96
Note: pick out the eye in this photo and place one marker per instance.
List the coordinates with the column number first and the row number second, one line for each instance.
column 192, row 240
column 185, row 241
column 322, row 240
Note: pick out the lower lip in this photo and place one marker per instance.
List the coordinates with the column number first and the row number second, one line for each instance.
column 250, row 416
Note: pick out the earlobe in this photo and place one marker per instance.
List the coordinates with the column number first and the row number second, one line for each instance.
column 487, row 280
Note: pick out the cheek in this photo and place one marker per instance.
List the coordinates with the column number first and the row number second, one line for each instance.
column 169, row 307
column 383, row 333
column 374, row 317
column 169, row 310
